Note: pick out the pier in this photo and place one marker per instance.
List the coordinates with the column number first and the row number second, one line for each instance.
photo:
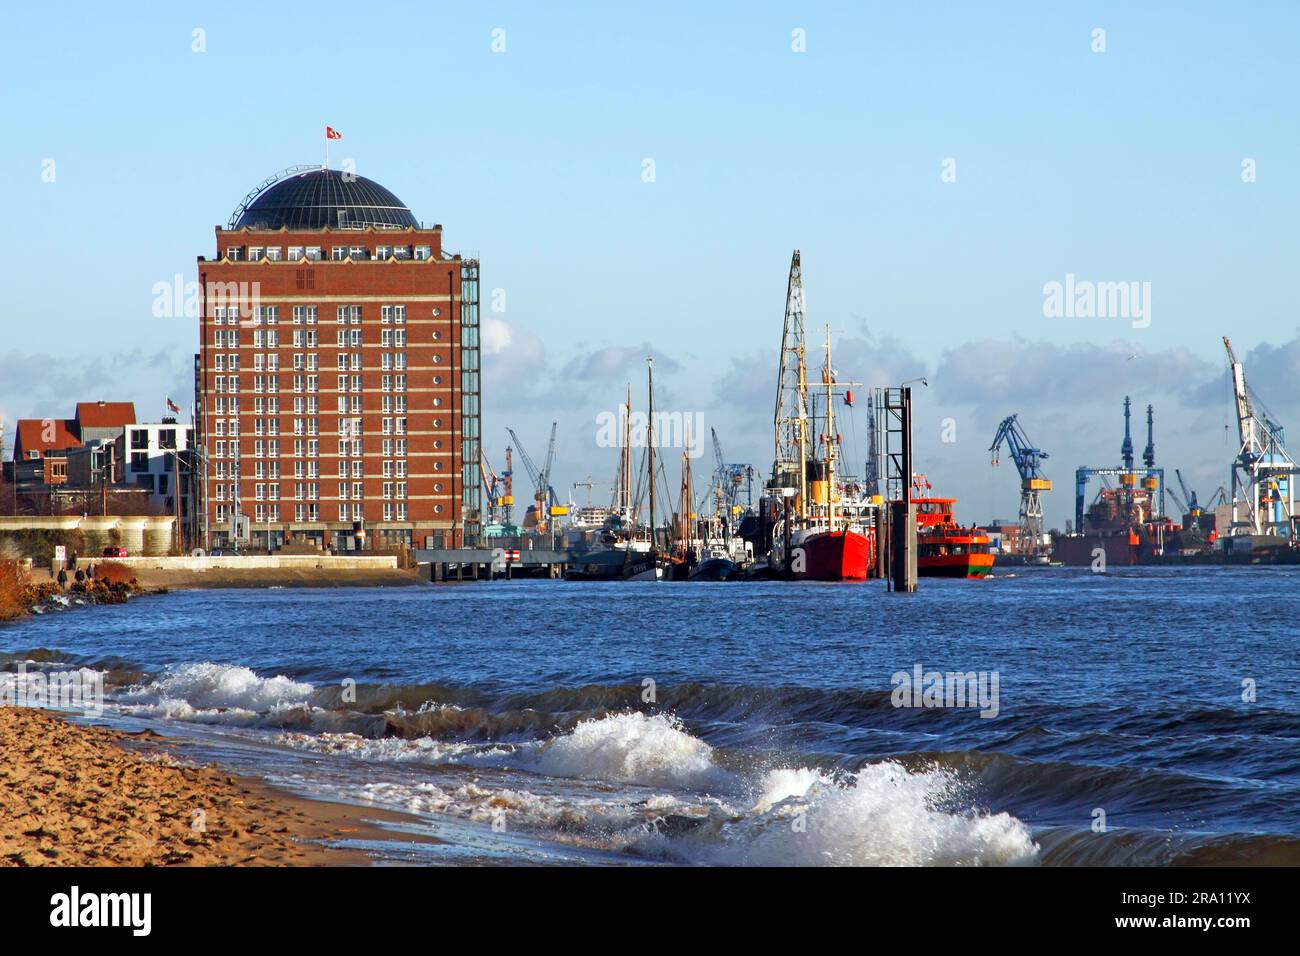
column 441, row 565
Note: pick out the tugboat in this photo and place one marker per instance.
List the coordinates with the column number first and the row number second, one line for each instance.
column 945, row 549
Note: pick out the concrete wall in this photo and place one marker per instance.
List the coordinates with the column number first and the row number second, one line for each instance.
column 140, row 535
column 256, row 562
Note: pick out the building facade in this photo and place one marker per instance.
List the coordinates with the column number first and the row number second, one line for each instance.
column 338, row 373
column 149, row 455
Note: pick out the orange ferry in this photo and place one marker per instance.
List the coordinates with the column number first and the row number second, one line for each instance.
column 945, row 549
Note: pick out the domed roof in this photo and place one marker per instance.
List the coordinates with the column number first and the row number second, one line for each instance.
column 325, row 197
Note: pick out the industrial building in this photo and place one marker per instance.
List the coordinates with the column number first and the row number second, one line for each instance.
column 337, row 384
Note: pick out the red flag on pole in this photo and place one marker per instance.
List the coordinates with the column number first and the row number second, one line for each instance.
column 173, row 407
column 332, row 133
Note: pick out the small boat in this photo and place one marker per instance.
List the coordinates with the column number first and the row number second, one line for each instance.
column 945, row 549
column 716, row 565
column 608, row 564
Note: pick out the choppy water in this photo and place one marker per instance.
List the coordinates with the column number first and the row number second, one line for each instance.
column 515, row 719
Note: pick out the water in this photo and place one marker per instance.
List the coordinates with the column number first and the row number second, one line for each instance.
column 744, row 723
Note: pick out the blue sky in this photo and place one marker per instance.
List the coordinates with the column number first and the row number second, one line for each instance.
column 1115, row 166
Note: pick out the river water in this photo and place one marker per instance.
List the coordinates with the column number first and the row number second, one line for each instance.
column 1141, row 716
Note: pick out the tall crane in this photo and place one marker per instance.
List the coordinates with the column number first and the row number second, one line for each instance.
column 873, row 450
column 1262, row 471
column 1033, row 482
column 544, row 497
column 491, row 481
column 507, row 479
column 791, row 418
column 1189, row 497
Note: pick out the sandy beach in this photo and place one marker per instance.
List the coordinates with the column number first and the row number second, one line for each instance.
column 75, row 795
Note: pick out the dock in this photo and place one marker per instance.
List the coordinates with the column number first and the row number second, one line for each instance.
column 441, row 565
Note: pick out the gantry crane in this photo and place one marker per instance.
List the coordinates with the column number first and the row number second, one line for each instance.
column 1033, row 482
column 1262, row 471
column 545, row 502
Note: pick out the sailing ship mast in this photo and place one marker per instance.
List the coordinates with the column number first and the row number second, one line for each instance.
column 623, row 484
column 686, row 524
column 650, row 452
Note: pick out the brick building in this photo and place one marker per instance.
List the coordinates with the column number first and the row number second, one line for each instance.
column 338, row 376
column 43, row 447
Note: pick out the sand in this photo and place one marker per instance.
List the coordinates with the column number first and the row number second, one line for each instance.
column 76, row 795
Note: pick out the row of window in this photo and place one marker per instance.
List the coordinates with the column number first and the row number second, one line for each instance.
column 310, row 513
column 270, row 384
column 310, row 491
column 309, row 314
column 316, row 253
column 310, row 448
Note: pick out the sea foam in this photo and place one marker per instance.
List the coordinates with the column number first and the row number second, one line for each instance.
column 653, row 751
column 215, row 693
column 884, row 815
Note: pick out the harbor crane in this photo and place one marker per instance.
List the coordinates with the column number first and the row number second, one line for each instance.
column 731, row 478
column 545, row 500
column 1262, row 471
column 1033, row 482
column 491, row 482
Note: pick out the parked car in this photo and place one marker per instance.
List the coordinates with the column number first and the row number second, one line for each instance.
column 115, row 553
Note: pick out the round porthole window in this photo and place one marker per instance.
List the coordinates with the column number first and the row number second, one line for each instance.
column 437, row 402
column 437, row 360
column 437, row 509
column 437, row 423
column 436, row 335
column 437, row 466
column 437, row 443
column 437, row 380
column 437, row 487
column 436, row 312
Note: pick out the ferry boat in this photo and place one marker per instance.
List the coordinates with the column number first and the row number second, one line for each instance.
column 945, row 549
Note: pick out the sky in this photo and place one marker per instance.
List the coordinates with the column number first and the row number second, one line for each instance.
column 634, row 179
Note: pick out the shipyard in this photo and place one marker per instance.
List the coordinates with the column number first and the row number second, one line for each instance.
column 631, row 444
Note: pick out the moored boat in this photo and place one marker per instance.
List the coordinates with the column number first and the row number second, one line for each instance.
column 945, row 549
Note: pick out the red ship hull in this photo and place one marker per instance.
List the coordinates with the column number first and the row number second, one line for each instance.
column 833, row 556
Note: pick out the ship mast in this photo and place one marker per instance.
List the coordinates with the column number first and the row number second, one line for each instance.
column 830, row 436
column 790, row 422
column 686, row 528
column 650, row 450
column 625, row 462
